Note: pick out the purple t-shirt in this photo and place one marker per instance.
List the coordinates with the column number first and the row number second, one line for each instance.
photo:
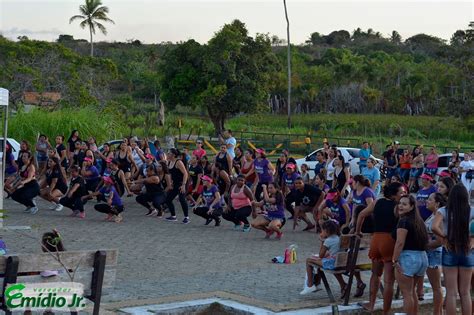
column 262, row 170
column 116, row 200
column 337, row 210
column 95, row 173
column 289, row 180
column 209, row 196
column 276, row 210
column 421, row 197
column 360, row 199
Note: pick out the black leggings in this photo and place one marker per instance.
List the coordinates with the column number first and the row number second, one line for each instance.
column 239, row 215
column 182, row 200
column 105, row 208
column 25, row 194
column 156, row 199
column 202, row 212
column 74, row 203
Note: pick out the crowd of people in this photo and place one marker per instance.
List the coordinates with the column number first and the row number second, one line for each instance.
column 412, row 221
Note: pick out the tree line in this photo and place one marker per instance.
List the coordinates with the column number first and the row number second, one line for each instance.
column 234, row 72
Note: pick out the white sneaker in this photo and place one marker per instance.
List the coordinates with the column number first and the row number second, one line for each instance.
column 53, row 206
column 34, row 210
column 59, row 207
column 311, row 289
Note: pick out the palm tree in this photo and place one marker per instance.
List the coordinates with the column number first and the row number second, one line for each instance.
column 91, row 13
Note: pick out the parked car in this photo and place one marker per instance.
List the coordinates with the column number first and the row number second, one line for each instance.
column 14, row 145
column 351, row 156
column 116, row 143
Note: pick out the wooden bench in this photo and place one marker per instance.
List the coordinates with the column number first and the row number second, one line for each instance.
column 352, row 258
column 94, row 269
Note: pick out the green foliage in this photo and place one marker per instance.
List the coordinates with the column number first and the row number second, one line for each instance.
column 231, row 74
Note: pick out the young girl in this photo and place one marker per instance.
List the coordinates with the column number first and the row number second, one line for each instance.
column 325, row 259
column 272, row 219
column 304, row 173
column 320, row 182
column 409, row 255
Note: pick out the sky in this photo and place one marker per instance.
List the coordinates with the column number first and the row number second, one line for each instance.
column 155, row 21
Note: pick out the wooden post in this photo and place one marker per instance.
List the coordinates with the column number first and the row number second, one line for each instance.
column 98, row 280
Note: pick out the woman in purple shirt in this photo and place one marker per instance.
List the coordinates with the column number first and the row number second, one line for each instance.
column 361, row 195
column 209, row 204
column 272, row 218
column 264, row 170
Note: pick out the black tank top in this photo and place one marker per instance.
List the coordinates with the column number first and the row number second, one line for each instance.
column 118, row 182
column 341, row 180
column 153, row 188
column 124, row 163
column 176, row 175
column 223, row 161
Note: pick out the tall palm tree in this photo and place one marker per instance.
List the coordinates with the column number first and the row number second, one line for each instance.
column 91, row 13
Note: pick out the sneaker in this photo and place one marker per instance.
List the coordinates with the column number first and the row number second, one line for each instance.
column 208, row 220
column 53, row 206
column 268, row 234
column 246, row 228
column 59, row 207
column 27, row 209
column 237, row 226
column 311, row 289
column 171, row 219
column 74, row 213
column 186, row 220
column 218, row 222
column 160, row 214
column 82, row 215
column 151, row 212
column 109, row 217
column 34, row 210
column 118, row 218
column 279, row 235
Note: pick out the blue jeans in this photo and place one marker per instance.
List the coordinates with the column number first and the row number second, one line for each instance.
column 452, row 259
column 434, row 258
column 413, row 263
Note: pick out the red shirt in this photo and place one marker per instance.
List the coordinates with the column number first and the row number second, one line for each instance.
column 199, row 153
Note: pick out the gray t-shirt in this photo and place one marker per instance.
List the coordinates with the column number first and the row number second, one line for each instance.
column 442, row 211
column 332, row 243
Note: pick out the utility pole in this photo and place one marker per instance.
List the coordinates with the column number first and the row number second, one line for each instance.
column 289, row 63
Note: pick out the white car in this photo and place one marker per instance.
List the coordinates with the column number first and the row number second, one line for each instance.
column 14, row 145
column 351, row 156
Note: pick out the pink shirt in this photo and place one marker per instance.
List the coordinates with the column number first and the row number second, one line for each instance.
column 432, row 156
column 199, row 153
column 240, row 199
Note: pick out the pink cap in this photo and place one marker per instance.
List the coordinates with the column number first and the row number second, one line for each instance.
column 331, row 195
column 149, row 156
column 291, row 165
column 87, row 159
column 426, row 176
column 206, row 178
column 108, row 160
column 260, row 151
column 445, row 174
column 108, row 179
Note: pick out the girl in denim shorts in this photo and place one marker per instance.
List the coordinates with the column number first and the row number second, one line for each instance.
column 451, row 224
column 409, row 255
column 434, row 202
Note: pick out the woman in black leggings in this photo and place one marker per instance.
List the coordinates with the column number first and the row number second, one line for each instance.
column 241, row 199
column 154, row 191
column 28, row 187
column 179, row 177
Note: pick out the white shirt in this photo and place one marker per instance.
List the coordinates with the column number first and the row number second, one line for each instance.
column 230, row 149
